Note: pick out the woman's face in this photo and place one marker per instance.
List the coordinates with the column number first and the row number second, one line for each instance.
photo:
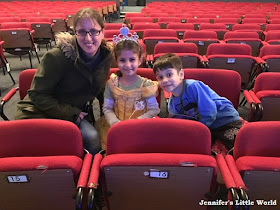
column 89, row 35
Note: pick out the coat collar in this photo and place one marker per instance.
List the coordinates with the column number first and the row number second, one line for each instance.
column 69, row 46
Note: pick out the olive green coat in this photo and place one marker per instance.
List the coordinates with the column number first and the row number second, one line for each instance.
column 64, row 83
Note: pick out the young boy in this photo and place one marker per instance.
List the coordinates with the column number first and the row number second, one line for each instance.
column 196, row 100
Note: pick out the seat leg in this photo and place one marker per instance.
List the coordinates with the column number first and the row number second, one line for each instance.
column 243, row 101
column 7, row 68
column 29, row 54
column 37, row 56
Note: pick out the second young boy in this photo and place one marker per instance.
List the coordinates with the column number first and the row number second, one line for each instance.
column 197, row 101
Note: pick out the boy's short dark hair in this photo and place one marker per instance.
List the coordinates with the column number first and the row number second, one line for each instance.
column 168, row 61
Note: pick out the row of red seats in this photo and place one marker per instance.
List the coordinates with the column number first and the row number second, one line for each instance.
column 262, row 98
column 138, row 163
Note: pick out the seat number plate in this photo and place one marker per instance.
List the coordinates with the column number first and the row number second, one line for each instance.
column 17, row 179
column 159, row 174
column 231, row 60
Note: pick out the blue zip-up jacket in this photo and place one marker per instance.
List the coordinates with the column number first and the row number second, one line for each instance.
column 200, row 102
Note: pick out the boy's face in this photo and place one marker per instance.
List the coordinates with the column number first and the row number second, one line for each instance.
column 170, row 79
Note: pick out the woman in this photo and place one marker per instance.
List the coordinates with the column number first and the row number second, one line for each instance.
column 71, row 75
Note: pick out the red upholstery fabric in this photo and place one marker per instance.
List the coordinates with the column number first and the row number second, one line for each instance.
column 180, row 26
column 267, row 81
column 199, row 35
column 171, row 33
column 156, row 137
column 212, row 26
column 270, row 50
column 228, row 49
column 258, row 139
column 35, row 137
column 255, row 163
column 141, row 26
column 175, row 48
column 268, row 93
column 234, row 35
column 14, row 25
column 25, row 79
column 160, row 159
column 42, row 163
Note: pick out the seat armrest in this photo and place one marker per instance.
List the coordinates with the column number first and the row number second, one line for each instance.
column 4, row 100
column 94, row 173
column 225, row 172
column 237, row 178
column 83, row 178
column 205, row 61
column 202, row 61
column 149, row 61
column 265, row 43
column 227, row 177
column 234, row 172
column 93, row 179
column 255, row 105
column 9, row 95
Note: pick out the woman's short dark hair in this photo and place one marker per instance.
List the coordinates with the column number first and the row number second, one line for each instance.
column 168, row 61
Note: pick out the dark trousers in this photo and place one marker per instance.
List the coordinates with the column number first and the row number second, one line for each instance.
column 226, row 134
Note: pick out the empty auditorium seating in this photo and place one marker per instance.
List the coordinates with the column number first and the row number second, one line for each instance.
column 164, row 21
column 43, row 33
column 134, row 20
column 197, row 21
column 234, row 57
column 4, row 63
column 18, row 37
column 140, row 27
column 272, row 37
column 113, row 26
column 109, row 34
column 271, row 27
column 264, row 98
column 229, row 22
column 270, row 54
column 201, row 38
column 58, row 20
column 42, row 165
column 219, row 28
column 180, row 28
column 251, row 38
column 24, row 82
column 146, row 161
column 132, row 14
column 255, row 163
column 186, row 51
column 156, row 15
column 248, row 27
column 9, row 19
column 259, row 21
column 153, row 36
